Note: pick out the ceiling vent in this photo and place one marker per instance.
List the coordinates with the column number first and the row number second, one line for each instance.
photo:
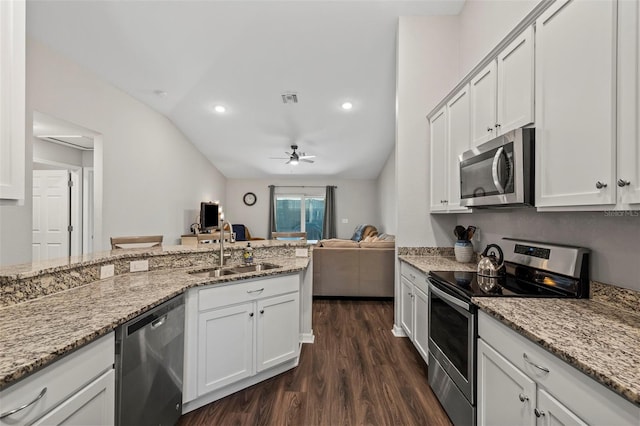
column 289, row 98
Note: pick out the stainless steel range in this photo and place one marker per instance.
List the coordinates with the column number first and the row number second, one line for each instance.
column 532, row 269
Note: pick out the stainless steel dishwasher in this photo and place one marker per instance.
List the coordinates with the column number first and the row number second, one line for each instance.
column 149, row 360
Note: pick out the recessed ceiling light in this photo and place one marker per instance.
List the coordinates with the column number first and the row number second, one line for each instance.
column 347, row 106
column 219, row 109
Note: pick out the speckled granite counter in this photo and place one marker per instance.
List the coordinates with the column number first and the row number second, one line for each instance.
column 39, row 331
column 437, row 263
column 599, row 336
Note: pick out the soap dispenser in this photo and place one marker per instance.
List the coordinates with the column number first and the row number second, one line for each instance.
column 247, row 254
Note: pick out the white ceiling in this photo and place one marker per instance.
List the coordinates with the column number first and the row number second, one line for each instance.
column 244, row 55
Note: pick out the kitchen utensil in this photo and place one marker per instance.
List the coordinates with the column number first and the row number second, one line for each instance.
column 470, row 231
column 459, row 232
column 489, row 265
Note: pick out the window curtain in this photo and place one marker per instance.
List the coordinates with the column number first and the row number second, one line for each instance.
column 272, row 212
column 329, row 223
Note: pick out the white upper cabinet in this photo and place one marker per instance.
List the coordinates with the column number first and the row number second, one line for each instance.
column 12, row 99
column 575, row 104
column 502, row 93
column 628, row 170
column 483, row 104
column 438, row 125
column 450, row 135
column 458, row 131
column 515, row 83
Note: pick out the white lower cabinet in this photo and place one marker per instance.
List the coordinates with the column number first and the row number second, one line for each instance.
column 239, row 334
column 414, row 303
column 519, row 383
column 78, row 389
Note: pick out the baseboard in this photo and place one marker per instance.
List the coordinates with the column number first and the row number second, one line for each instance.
column 398, row 331
column 307, row 337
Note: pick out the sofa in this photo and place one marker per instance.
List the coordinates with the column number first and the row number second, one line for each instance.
column 345, row 268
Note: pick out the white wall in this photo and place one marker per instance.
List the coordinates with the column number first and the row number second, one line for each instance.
column 356, row 200
column 153, row 177
column 387, row 203
column 427, row 66
column 483, row 24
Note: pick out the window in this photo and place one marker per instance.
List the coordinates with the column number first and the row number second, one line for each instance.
column 300, row 213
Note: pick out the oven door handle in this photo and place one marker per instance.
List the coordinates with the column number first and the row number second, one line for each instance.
column 447, row 297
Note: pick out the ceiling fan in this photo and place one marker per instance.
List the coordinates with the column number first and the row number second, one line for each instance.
column 295, row 157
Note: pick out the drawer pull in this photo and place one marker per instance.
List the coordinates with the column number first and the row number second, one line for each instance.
column 526, row 358
column 256, row 291
column 8, row 413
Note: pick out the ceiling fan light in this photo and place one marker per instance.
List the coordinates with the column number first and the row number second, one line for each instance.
column 293, row 161
column 347, row 106
column 219, row 109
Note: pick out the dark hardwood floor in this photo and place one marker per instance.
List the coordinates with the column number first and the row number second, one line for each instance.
column 355, row 373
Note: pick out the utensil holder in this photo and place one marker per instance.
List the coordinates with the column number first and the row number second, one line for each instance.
column 463, row 250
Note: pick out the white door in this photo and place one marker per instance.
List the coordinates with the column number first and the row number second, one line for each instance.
column 278, row 335
column 92, row 405
column 438, row 161
column 459, row 135
column 406, row 306
column 575, row 110
column 50, row 214
column 552, row 413
column 483, row 105
column 506, row 396
column 421, row 323
column 628, row 176
column 225, row 346
column 515, row 83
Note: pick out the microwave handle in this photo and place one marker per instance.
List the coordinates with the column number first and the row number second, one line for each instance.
column 494, row 170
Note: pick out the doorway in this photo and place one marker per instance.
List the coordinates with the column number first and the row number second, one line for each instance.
column 64, row 189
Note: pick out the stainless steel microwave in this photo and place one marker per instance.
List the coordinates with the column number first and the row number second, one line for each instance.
column 500, row 172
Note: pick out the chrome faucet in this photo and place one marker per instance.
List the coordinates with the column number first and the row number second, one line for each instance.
column 221, row 237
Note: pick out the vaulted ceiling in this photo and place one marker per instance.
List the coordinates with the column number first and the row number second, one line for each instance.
column 183, row 58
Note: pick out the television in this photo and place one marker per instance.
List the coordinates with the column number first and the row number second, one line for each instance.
column 209, row 214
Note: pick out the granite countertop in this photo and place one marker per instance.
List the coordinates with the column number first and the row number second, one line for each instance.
column 38, row 332
column 599, row 336
column 600, row 340
column 438, row 263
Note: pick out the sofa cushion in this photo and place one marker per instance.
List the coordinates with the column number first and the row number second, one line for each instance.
column 377, row 244
column 337, row 242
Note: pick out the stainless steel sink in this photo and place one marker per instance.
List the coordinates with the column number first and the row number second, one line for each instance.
column 255, row 268
column 233, row 270
column 213, row 273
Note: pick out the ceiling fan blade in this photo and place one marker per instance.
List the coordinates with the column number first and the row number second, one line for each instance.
column 302, row 157
column 279, row 158
column 305, row 160
column 288, row 162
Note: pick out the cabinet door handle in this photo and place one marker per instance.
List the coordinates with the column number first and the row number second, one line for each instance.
column 498, row 126
column 251, row 314
column 489, row 129
column 255, row 291
column 600, row 185
column 539, row 367
column 262, row 311
column 522, row 397
column 622, row 183
column 15, row 410
column 538, row 413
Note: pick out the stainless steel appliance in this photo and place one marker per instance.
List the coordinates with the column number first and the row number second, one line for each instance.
column 149, row 360
column 499, row 172
column 532, row 269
